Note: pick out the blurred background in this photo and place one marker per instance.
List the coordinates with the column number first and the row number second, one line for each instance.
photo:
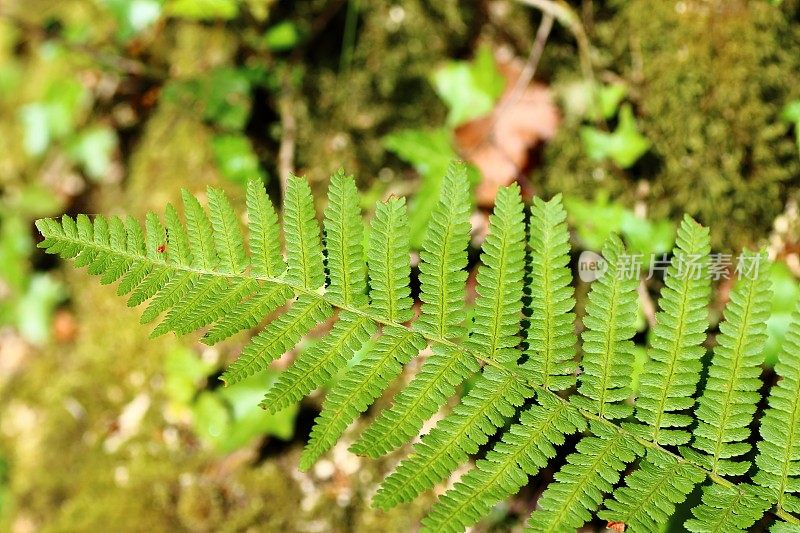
column 637, row 111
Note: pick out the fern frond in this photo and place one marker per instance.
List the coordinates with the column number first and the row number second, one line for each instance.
column 389, row 275
column 301, row 231
column 525, row 448
column 551, row 335
column 278, row 337
column 200, row 233
column 227, row 235
column 344, row 238
column 493, row 399
column 262, row 225
column 436, row 381
column 178, row 249
column 669, row 380
column 361, row 386
column 727, row 510
column 726, row 408
column 778, row 458
column 387, row 256
column 344, row 243
column 443, row 258
column 442, row 278
column 320, row 363
column 496, row 393
column 651, row 492
column 247, row 313
column 201, row 274
column 589, row 473
column 610, row 323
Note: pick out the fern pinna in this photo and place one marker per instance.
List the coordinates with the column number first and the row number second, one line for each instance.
column 639, row 453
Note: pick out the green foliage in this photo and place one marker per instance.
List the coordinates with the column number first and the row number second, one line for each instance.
column 778, row 457
column 624, row 146
column 725, row 410
column 551, row 335
column 226, row 418
column 205, row 266
column 430, row 152
column 785, row 296
column 608, row 357
column 470, row 89
column 670, row 377
column 594, row 221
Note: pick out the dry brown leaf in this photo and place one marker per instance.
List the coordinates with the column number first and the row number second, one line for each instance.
column 500, row 143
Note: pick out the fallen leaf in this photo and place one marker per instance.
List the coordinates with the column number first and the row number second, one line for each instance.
column 499, row 144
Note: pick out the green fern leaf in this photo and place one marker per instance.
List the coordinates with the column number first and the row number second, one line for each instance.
column 651, row 492
column 389, row 275
column 201, row 275
column 495, row 394
column 303, row 247
column 320, row 363
column 669, row 379
column 778, row 458
column 352, row 395
column 442, row 278
column 247, row 313
column 551, row 336
column 610, row 323
column 279, row 336
column 178, row 249
column 727, row 510
column 343, row 242
column 227, row 235
column 262, row 224
column 443, row 258
column 387, row 257
column 524, row 449
column 347, row 287
column 590, row 472
column 725, row 410
column 200, row 233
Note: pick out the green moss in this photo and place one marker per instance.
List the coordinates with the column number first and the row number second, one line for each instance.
column 708, row 80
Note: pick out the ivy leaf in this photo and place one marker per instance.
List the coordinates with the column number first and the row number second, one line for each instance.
column 625, row 146
column 250, row 421
column 283, row 36
column 609, row 97
column 470, row 89
column 235, row 158
column 92, row 150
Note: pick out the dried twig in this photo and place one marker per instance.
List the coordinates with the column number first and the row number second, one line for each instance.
column 288, row 135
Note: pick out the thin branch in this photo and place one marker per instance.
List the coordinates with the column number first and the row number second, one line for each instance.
column 288, row 135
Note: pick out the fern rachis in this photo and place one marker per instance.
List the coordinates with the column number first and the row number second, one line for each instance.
column 209, row 276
